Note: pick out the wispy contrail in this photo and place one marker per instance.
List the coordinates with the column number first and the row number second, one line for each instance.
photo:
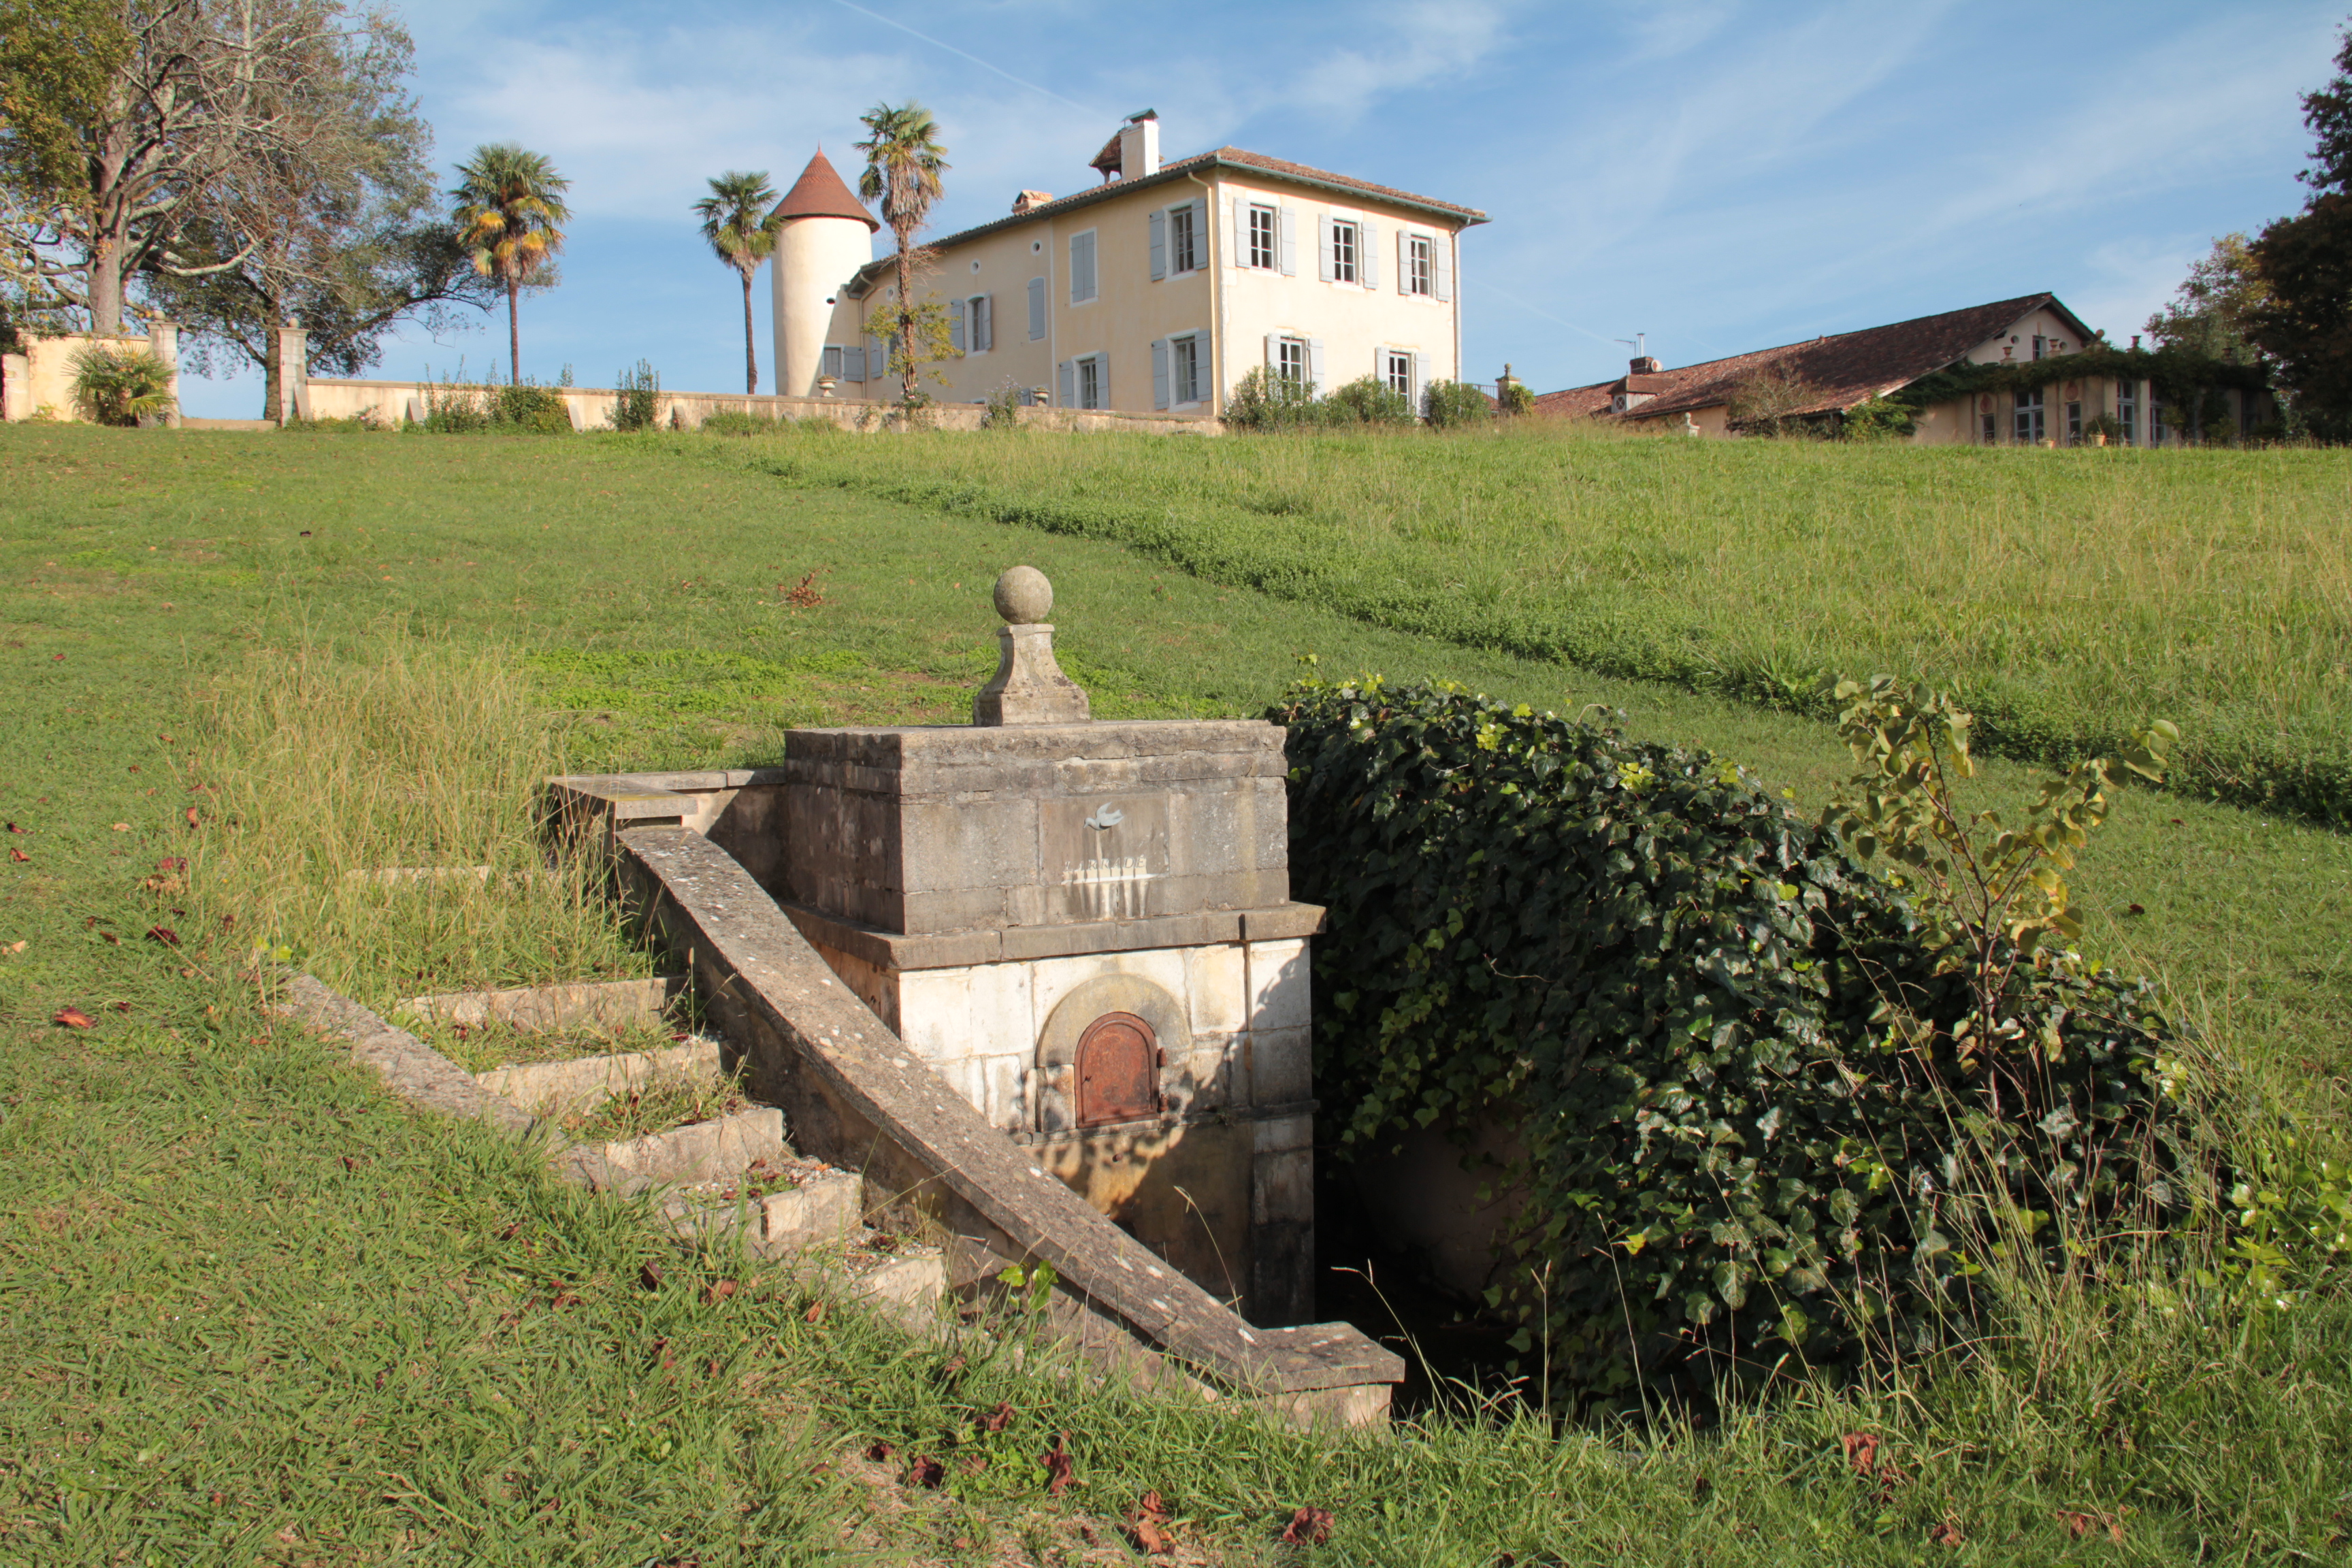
column 966, row 54
column 1537, row 309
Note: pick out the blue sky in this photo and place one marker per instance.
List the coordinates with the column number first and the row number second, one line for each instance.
column 1717, row 175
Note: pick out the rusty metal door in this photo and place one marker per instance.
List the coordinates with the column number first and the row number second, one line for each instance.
column 1118, row 1070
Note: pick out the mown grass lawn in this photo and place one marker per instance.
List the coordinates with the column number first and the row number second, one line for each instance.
column 260, row 1314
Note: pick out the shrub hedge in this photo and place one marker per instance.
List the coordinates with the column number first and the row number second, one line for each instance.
column 1746, row 1134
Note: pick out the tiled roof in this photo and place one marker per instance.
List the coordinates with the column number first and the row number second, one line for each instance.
column 1223, row 157
column 1847, row 367
column 821, row 192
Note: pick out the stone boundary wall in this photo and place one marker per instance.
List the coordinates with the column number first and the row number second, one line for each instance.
column 392, row 402
column 857, row 1095
column 38, row 383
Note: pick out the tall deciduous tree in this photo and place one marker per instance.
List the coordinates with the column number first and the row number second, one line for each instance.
column 904, row 161
column 351, row 249
column 511, row 215
column 2210, row 313
column 131, row 122
column 2305, row 262
column 739, row 221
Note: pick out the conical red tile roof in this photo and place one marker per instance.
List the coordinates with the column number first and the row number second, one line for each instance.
column 820, row 192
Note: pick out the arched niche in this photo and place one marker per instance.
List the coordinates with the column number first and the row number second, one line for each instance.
column 1105, row 1023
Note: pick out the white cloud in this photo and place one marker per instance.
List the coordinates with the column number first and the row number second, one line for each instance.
column 1429, row 41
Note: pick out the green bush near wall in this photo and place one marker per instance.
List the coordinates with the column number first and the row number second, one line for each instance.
column 1749, row 1134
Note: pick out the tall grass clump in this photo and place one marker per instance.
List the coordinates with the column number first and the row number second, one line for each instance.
column 455, row 407
column 373, row 810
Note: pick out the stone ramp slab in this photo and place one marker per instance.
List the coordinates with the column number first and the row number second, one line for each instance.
column 858, row 1096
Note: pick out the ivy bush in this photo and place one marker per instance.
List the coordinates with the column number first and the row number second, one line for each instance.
column 1745, row 1134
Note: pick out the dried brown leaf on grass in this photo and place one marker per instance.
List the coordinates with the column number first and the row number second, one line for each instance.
column 2080, row 1524
column 1147, row 1526
column 995, row 1420
column 1056, row 1460
column 1861, row 1454
column 74, row 1018
column 1307, row 1527
column 1948, row 1533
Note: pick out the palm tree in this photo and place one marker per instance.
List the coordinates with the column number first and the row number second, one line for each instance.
column 904, row 161
column 741, row 230
column 510, row 213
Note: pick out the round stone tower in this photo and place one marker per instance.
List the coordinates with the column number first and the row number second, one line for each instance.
column 823, row 237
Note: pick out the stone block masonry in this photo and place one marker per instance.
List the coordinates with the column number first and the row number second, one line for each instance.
column 1068, row 955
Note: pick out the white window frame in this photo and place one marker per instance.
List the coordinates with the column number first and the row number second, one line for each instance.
column 1094, row 368
column 980, row 323
column 1183, row 347
column 1288, row 347
column 1271, row 249
column 1421, row 265
column 1092, row 278
column 2127, row 411
column 1391, row 361
column 1346, row 251
column 1190, row 258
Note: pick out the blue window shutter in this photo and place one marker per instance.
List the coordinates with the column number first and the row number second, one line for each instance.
column 1273, row 355
column 1443, row 249
column 1314, row 364
column 983, row 321
column 1288, row 228
column 1159, row 373
column 1404, row 262
column 1159, row 246
column 1367, row 256
column 1102, row 381
column 1241, row 232
column 1069, row 396
column 1326, row 239
column 852, row 363
column 1036, row 308
column 1200, row 254
column 956, row 309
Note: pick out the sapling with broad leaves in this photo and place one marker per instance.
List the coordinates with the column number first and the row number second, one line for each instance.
column 1988, row 894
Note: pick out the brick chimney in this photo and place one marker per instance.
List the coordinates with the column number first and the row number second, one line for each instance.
column 1645, row 364
column 1029, row 199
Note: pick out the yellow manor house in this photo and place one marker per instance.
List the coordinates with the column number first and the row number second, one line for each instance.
column 1155, row 291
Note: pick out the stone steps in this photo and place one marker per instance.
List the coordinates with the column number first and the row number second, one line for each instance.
column 825, row 1213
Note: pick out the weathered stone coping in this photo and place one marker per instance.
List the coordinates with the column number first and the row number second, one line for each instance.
column 544, row 1009
column 857, row 1096
column 901, row 952
column 554, row 1089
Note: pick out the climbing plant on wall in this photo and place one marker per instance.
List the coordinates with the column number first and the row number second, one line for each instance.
column 1748, row 1134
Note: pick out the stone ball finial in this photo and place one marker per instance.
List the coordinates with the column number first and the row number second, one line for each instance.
column 1023, row 596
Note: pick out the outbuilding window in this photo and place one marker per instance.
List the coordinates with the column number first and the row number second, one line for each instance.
column 2030, row 421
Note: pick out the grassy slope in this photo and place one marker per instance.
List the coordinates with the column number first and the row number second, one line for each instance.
column 2071, row 596
column 231, row 1344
